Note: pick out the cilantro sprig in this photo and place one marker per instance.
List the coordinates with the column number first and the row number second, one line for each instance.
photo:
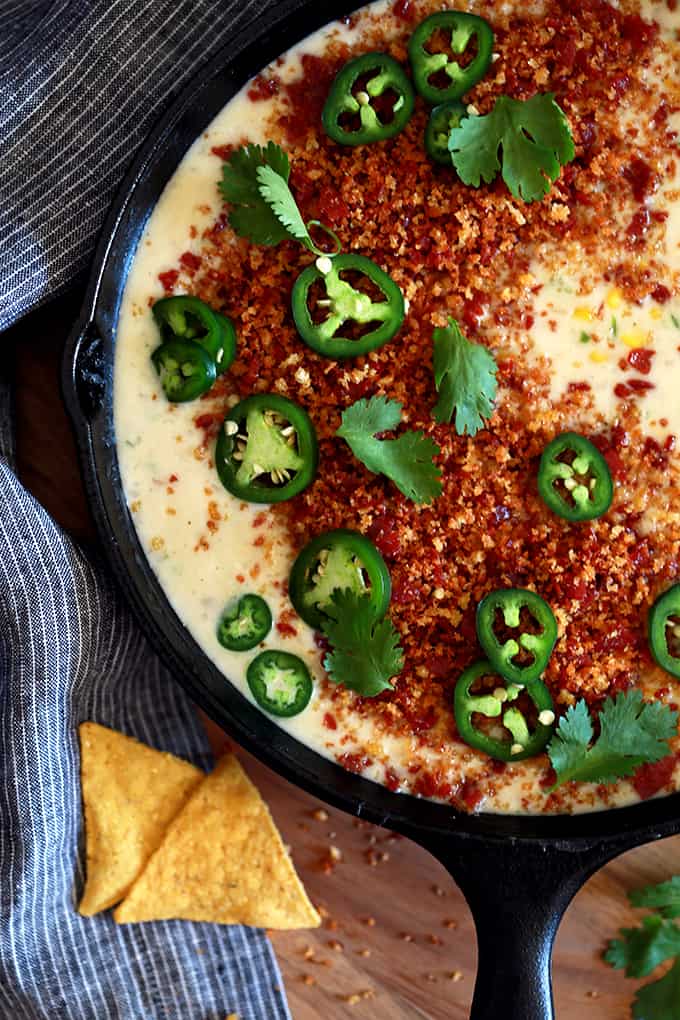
column 664, row 897
column 406, row 460
column 465, row 377
column 659, row 1000
column 641, row 950
column 534, row 138
column 263, row 208
column 365, row 652
column 633, row 732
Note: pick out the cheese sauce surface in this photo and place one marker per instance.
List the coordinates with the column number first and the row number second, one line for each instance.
column 207, row 548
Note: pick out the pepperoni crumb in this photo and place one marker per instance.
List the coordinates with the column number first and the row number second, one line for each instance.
column 189, row 261
column 263, row 87
column 384, row 532
column 640, row 385
column 651, row 778
column 661, row 294
column 169, row 279
column 223, row 152
column 403, row 9
column 641, row 360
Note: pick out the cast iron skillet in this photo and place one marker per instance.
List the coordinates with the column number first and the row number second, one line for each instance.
column 518, row 874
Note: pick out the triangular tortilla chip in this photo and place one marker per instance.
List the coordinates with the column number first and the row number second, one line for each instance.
column 131, row 793
column 222, row 860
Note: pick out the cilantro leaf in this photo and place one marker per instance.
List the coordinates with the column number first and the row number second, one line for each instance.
column 255, row 184
column 535, row 139
column 251, row 215
column 379, row 414
column 664, row 897
column 465, row 377
column 642, row 949
column 365, row 652
column 660, row 1000
column 407, row 460
column 632, row 733
column 276, row 193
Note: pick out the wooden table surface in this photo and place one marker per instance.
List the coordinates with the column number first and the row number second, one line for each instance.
column 397, row 941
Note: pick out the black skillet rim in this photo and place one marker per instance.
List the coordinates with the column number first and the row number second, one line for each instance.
column 87, row 384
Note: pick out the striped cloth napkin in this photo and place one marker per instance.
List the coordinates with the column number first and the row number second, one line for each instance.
column 81, row 83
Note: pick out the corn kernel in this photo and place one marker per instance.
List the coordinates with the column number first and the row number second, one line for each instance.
column 584, row 313
column 655, row 313
column 636, row 337
column 599, row 357
column 614, row 298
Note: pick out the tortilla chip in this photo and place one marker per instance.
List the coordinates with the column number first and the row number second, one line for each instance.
column 131, row 793
column 222, row 860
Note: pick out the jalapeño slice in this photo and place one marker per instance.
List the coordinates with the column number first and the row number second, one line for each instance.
column 441, row 122
column 528, row 633
column 266, row 450
column 343, row 304
column 280, row 683
column 574, row 480
column 502, row 702
column 373, row 92
column 438, row 78
column 337, row 561
column 244, row 624
column 664, row 630
column 184, row 368
column 185, row 317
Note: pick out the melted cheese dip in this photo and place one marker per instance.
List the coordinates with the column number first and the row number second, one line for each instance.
column 207, row 548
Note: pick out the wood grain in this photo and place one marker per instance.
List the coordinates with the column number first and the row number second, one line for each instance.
column 398, row 940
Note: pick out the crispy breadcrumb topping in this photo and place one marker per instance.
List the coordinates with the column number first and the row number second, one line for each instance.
column 467, row 252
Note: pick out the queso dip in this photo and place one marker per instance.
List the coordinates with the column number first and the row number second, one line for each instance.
column 577, row 296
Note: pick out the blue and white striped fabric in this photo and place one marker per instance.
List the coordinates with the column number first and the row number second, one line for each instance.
column 81, row 82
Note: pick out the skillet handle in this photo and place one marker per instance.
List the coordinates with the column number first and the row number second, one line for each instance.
column 517, row 892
